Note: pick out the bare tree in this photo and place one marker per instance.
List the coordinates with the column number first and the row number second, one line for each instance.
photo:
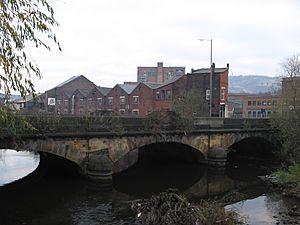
column 287, row 120
column 291, row 86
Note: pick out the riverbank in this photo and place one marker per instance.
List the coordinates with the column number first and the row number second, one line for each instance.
column 170, row 207
column 287, row 181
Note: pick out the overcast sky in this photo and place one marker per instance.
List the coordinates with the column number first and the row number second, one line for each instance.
column 106, row 40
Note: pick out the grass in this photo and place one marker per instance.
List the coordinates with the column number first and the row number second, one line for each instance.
column 290, row 175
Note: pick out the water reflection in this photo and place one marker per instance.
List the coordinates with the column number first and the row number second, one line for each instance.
column 16, row 165
column 56, row 195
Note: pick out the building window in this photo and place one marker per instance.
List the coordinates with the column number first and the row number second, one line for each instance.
column 249, row 103
column 66, row 102
column 264, row 102
column 254, row 103
column 258, row 102
column 122, row 100
column 249, row 114
column 135, row 100
column 110, row 100
column 163, row 94
column 170, row 74
column 135, row 112
column 99, row 101
column 59, row 102
column 223, row 93
column 144, row 77
column 168, row 94
column 269, row 113
column 122, row 111
column 269, row 102
column 254, row 114
column 90, row 100
column 259, row 114
column 157, row 95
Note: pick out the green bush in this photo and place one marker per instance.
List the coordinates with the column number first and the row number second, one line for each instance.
column 289, row 176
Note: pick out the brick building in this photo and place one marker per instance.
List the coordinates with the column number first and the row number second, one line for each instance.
column 97, row 100
column 290, row 95
column 119, row 99
column 159, row 74
column 80, row 96
column 200, row 79
column 68, row 97
column 255, row 105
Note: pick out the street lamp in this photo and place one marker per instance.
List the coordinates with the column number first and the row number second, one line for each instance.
column 210, row 77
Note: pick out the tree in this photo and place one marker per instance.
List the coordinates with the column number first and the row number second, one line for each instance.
column 290, row 86
column 190, row 103
column 286, row 120
column 23, row 22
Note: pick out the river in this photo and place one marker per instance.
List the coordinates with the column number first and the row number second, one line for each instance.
column 55, row 194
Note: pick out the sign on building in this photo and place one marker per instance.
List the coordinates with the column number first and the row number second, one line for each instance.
column 51, row 101
column 207, row 94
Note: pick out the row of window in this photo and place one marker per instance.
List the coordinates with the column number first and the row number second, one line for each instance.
column 134, row 112
column 163, row 95
column 262, row 103
column 259, row 113
column 100, row 101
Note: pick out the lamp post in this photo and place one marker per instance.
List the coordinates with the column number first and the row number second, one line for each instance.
column 210, row 77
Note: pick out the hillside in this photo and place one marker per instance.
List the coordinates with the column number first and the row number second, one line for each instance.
column 253, row 84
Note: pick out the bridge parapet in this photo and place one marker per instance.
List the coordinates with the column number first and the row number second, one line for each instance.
column 47, row 125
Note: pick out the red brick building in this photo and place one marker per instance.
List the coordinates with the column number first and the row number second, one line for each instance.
column 159, row 74
column 200, row 79
column 68, row 97
column 119, row 99
column 141, row 99
column 80, row 96
column 255, row 105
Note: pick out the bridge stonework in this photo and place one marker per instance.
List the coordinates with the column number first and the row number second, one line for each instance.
column 99, row 156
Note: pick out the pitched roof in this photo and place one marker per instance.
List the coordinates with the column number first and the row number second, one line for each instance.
column 152, row 85
column 159, row 85
column 67, row 81
column 104, row 90
column 83, row 92
column 128, row 88
column 170, row 81
column 207, row 70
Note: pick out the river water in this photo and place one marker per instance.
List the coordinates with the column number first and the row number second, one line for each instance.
column 55, row 194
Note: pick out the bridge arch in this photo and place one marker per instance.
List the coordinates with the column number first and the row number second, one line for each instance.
column 159, row 151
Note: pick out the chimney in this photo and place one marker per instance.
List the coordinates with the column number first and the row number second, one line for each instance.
column 227, row 65
column 160, row 72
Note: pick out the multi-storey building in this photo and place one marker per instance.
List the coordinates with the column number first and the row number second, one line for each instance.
column 200, row 79
column 68, row 97
column 97, row 100
column 80, row 96
column 290, row 95
column 159, row 74
column 119, row 99
column 255, row 105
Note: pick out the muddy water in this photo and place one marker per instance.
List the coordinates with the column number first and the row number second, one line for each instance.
column 55, row 194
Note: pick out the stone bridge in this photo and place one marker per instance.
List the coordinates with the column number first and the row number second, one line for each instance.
column 101, row 154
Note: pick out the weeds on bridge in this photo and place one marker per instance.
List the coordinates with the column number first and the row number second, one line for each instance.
column 13, row 123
